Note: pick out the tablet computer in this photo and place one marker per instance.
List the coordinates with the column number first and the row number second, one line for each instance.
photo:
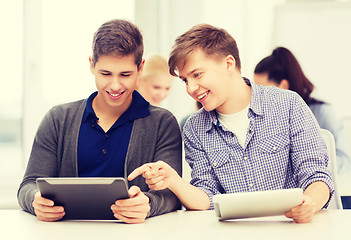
column 84, row 198
column 256, row 204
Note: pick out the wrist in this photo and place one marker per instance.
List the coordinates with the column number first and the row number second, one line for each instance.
column 149, row 196
column 175, row 179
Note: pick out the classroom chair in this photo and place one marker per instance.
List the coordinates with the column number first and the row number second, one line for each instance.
column 335, row 202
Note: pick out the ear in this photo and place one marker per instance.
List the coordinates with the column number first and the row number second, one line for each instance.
column 140, row 71
column 230, row 62
column 284, row 84
column 141, row 66
column 91, row 63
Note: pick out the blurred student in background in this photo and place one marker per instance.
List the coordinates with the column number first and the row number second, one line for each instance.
column 155, row 81
column 281, row 69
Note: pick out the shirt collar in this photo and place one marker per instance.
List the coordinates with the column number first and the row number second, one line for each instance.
column 139, row 108
column 255, row 102
column 255, row 106
column 89, row 111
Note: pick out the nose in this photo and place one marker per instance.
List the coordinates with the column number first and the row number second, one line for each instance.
column 115, row 84
column 191, row 86
column 163, row 93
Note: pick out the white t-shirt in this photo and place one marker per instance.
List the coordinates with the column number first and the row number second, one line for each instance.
column 237, row 123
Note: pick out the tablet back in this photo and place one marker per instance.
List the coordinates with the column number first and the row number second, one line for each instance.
column 84, row 198
column 256, row 204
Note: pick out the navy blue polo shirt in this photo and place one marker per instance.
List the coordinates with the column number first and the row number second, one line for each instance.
column 100, row 153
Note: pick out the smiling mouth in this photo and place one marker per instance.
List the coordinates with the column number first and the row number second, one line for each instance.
column 115, row 95
column 202, row 95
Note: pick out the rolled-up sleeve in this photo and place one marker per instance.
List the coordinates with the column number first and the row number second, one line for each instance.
column 309, row 153
column 202, row 173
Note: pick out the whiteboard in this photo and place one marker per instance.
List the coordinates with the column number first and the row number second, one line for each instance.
column 319, row 35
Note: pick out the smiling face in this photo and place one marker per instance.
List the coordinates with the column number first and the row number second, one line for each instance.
column 156, row 87
column 115, row 78
column 208, row 79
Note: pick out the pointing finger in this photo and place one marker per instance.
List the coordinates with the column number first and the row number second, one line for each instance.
column 138, row 171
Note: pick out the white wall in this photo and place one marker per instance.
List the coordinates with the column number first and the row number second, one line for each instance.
column 319, row 35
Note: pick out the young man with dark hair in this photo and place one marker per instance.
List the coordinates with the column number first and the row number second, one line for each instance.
column 109, row 134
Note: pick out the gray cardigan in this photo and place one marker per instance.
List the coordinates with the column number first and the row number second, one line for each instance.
column 54, row 152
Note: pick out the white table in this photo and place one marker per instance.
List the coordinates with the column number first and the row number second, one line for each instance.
column 181, row 225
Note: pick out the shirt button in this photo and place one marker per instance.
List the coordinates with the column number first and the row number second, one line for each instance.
column 245, row 158
column 104, row 151
column 232, row 134
column 251, row 185
column 275, row 148
column 215, row 164
column 92, row 125
column 106, row 136
column 250, row 131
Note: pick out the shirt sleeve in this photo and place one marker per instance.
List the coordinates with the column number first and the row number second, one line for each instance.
column 202, row 173
column 309, row 154
column 42, row 162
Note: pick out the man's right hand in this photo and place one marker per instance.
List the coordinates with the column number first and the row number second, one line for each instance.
column 158, row 175
column 45, row 209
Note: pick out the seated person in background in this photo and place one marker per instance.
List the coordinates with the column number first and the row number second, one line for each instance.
column 155, row 81
column 109, row 134
column 246, row 137
column 281, row 69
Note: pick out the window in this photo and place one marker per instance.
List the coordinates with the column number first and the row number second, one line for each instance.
column 11, row 84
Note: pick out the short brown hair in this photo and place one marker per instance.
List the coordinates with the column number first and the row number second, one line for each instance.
column 212, row 40
column 118, row 38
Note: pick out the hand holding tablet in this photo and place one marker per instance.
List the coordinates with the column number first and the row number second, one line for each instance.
column 256, row 204
column 84, row 198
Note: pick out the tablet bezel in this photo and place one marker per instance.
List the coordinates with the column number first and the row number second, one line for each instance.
column 84, row 198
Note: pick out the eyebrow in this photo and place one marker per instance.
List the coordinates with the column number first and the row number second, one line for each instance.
column 128, row 72
column 124, row 72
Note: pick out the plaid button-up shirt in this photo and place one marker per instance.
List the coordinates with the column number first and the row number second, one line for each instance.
column 283, row 147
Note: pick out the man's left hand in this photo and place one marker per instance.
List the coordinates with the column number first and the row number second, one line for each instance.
column 133, row 209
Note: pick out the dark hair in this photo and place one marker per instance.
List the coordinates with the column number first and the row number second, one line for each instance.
column 282, row 64
column 213, row 41
column 118, row 38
